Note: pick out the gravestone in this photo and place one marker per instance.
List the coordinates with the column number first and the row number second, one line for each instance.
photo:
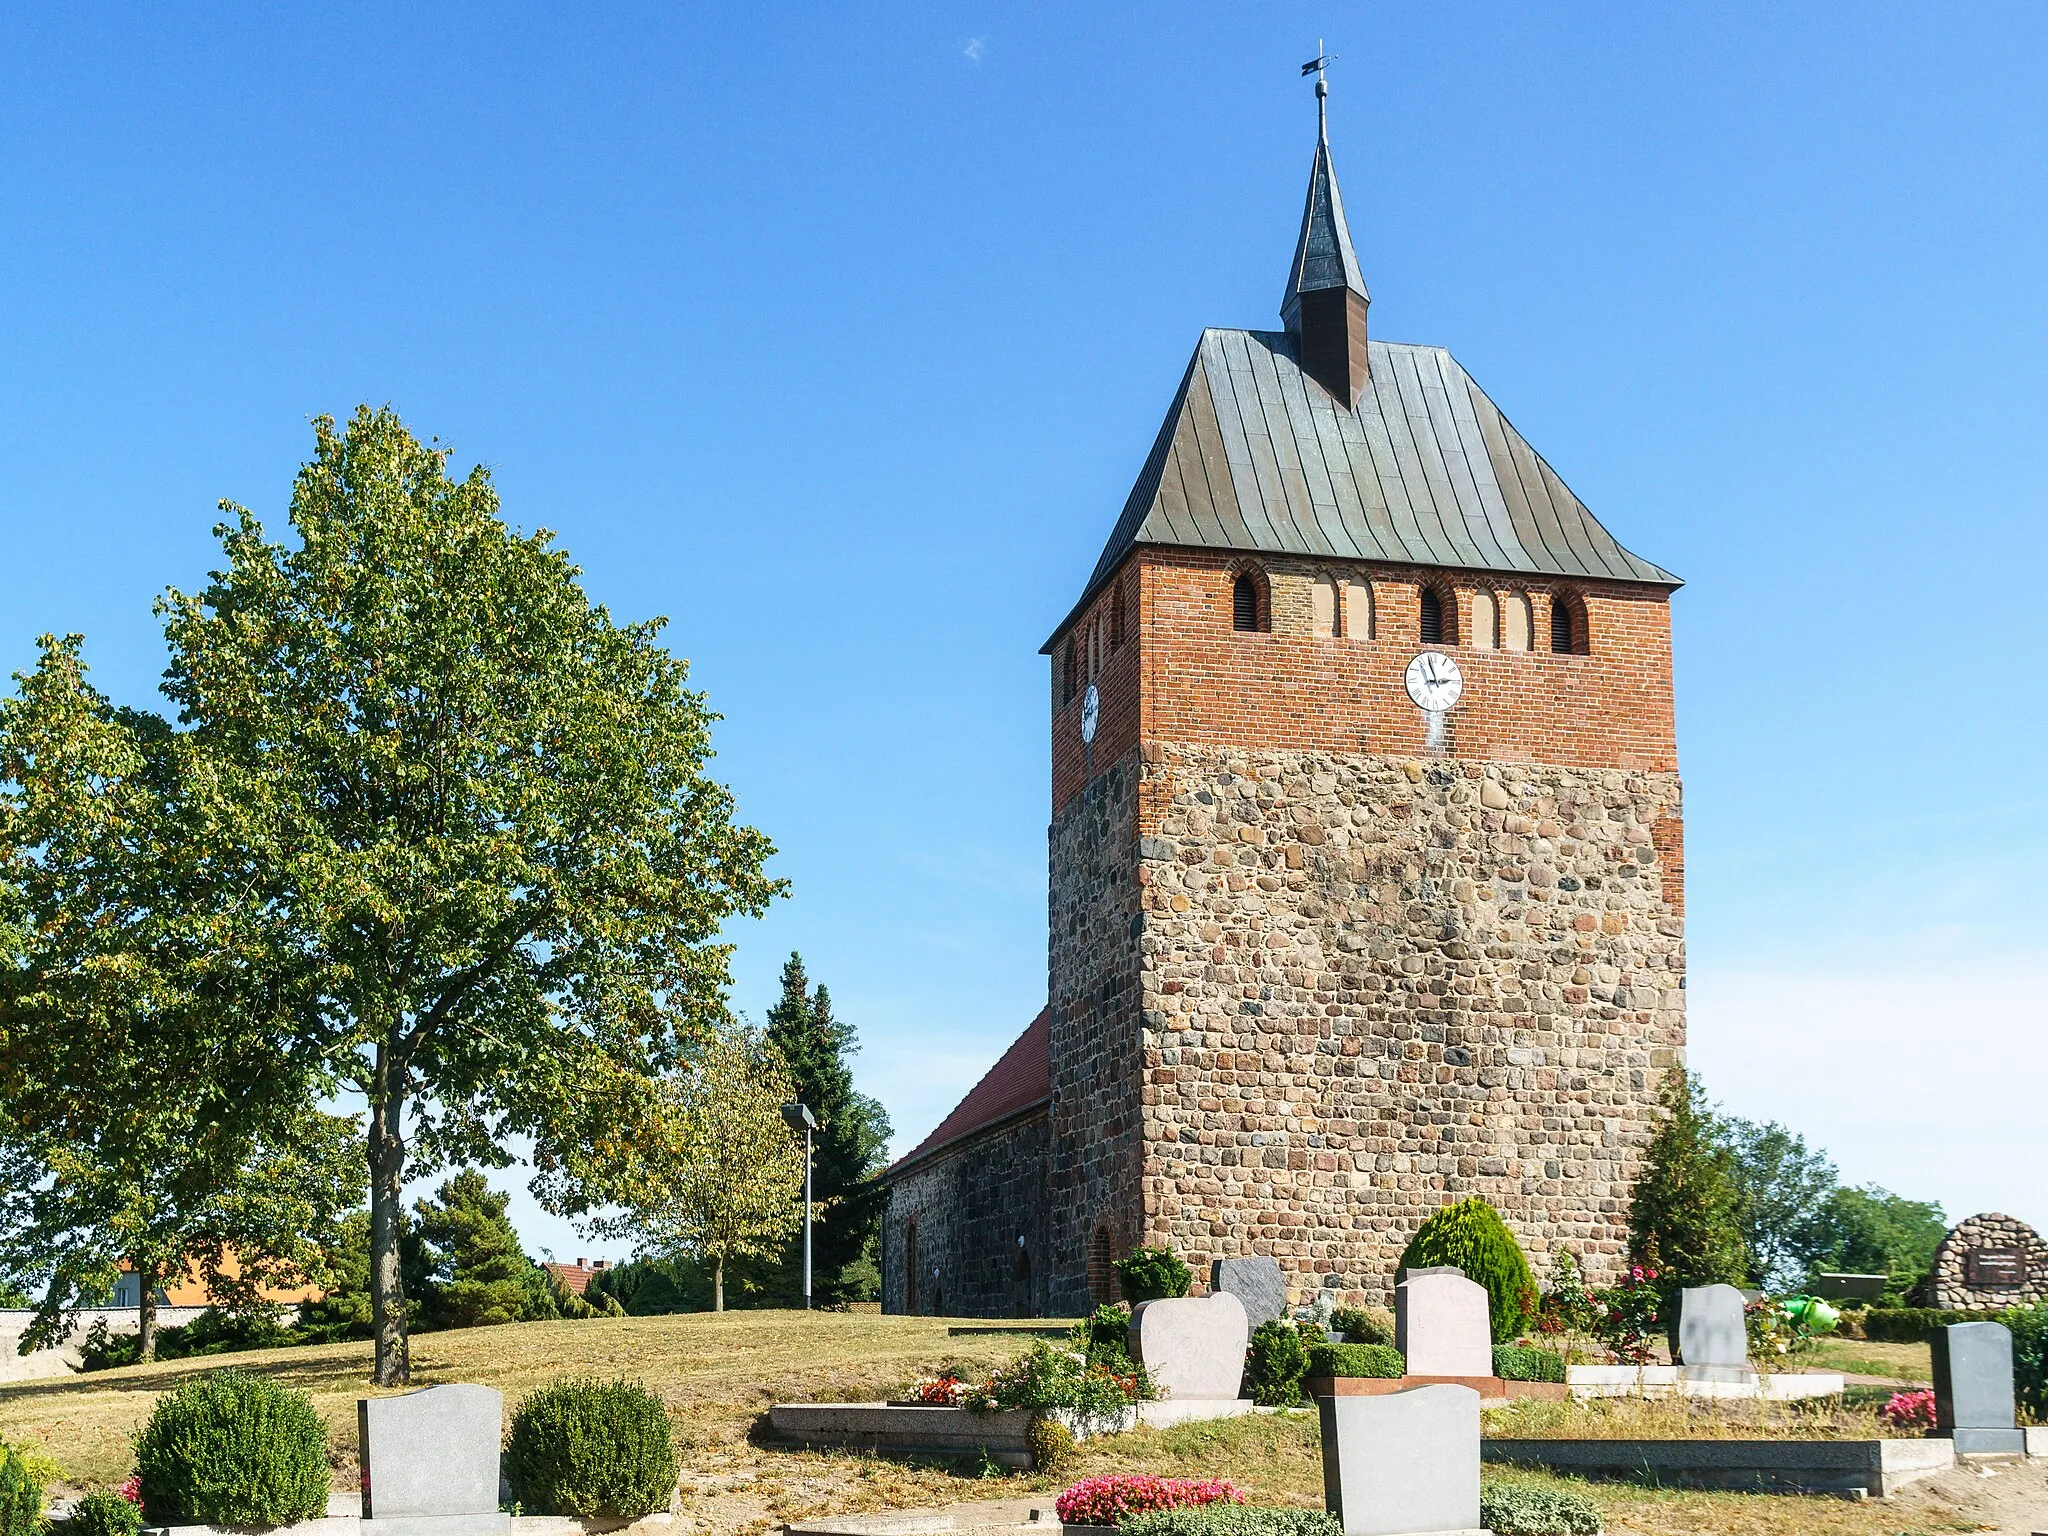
column 1441, row 1323
column 1192, row 1346
column 1713, row 1339
column 430, row 1461
column 1973, row 1389
column 1403, row 1463
column 1256, row 1282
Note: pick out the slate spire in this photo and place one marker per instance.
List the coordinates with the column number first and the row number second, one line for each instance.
column 1324, row 310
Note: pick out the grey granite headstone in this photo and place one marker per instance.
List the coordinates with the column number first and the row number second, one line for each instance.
column 1403, row 1463
column 1973, row 1389
column 1256, row 1282
column 1441, row 1323
column 1713, row 1338
column 430, row 1461
column 1192, row 1346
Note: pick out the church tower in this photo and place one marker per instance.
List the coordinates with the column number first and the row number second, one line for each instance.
column 1366, row 867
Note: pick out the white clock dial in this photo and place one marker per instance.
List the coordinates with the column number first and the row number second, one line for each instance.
column 1091, row 708
column 1434, row 682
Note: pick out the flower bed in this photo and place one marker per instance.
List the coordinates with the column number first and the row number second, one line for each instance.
column 1110, row 1500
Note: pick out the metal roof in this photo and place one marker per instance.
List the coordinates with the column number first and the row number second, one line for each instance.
column 1323, row 257
column 1255, row 455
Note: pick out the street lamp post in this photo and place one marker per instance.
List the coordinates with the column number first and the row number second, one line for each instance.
column 800, row 1118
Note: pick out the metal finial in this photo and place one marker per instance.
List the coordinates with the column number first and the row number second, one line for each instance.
column 1316, row 66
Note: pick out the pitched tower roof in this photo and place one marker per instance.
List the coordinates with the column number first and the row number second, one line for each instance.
column 1323, row 257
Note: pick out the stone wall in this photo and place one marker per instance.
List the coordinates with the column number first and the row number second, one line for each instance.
column 1951, row 1280
column 1375, row 984
column 972, row 1202
column 1097, row 1063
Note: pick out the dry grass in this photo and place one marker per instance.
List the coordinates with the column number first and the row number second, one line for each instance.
column 1682, row 1418
column 1862, row 1357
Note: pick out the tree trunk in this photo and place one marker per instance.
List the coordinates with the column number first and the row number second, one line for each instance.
column 718, row 1283
column 387, row 1184
column 145, row 1311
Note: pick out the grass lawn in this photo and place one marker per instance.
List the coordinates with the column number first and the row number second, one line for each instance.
column 1862, row 1357
column 719, row 1373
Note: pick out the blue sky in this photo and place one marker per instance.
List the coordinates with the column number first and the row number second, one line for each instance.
column 837, row 334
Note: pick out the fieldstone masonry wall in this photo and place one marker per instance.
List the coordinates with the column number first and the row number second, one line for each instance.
column 1371, row 984
column 1957, row 1281
column 970, row 1204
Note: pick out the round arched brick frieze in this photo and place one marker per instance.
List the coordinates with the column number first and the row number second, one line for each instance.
column 1990, row 1260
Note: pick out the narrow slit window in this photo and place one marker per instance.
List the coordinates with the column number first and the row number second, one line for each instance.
column 1563, row 639
column 1432, row 617
column 1244, row 602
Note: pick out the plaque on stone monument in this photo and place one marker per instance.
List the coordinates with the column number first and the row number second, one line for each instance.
column 1973, row 1389
column 430, row 1459
column 1257, row 1282
column 1441, row 1323
column 1713, row 1339
column 1995, row 1269
column 1402, row 1463
column 1192, row 1346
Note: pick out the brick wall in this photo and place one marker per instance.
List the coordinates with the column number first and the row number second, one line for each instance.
column 971, row 1202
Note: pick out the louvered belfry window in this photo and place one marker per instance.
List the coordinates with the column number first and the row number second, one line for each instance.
column 1432, row 618
column 1561, row 627
column 1244, row 602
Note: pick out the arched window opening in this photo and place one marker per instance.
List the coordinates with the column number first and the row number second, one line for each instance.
column 1069, row 670
column 1323, row 607
column 1485, row 622
column 1358, row 615
column 1116, row 618
column 1567, row 627
column 910, row 1266
column 1244, row 602
column 1514, row 626
column 1432, row 617
column 1101, row 1278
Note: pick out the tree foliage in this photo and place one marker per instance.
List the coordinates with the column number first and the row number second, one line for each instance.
column 1470, row 1235
column 1785, row 1185
column 469, row 1270
column 849, row 1148
column 1685, row 1215
column 1871, row 1231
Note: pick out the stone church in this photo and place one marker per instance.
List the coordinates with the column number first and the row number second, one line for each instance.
column 1366, row 869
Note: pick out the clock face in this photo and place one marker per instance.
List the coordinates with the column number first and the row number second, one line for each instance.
column 1091, row 707
column 1434, row 682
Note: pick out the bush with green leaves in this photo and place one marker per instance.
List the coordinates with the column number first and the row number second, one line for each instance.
column 1916, row 1325
column 1364, row 1325
column 591, row 1448
column 1381, row 1361
column 2029, row 1327
column 232, row 1448
column 1517, row 1509
column 1511, row 1363
column 1471, row 1236
column 1052, row 1443
column 1044, row 1379
column 1153, row 1274
column 104, row 1514
column 1104, row 1336
column 21, row 1495
column 1274, row 1365
column 1232, row 1520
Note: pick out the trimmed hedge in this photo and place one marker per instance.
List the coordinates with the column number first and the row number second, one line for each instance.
column 232, row 1449
column 1275, row 1364
column 103, row 1514
column 1377, row 1360
column 1470, row 1235
column 1915, row 1325
column 585, row 1447
column 1232, row 1520
column 2029, row 1327
column 1512, row 1363
column 1515, row 1509
column 21, row 1496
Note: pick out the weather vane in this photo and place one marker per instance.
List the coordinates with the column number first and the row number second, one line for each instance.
column 1316, row 66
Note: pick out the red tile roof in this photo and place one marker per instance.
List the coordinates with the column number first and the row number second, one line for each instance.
column 575, row 1278
column 1021, row 1078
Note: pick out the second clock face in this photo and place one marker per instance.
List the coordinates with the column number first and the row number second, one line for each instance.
column 1434, row 682
column 1091, row 710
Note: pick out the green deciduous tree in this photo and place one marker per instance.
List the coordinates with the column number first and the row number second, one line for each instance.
column 849, row 1148
column 1785, row 1185
column 1871, row 1231
column 1685, row 1215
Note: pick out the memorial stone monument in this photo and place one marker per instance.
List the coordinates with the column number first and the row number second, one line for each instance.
column 1441, row 1323
column 430, row 1462
column 1973, row 1389
column 1713, row 1339
column 1402, row 1464
column 1257, row 1282
column 1192, row 1346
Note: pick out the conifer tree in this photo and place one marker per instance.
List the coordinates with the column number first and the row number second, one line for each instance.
column 851, row 1144
column 1685, row 1216
column 472, row 1271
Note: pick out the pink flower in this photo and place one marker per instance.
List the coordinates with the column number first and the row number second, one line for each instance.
column 1107, row 1500
column 132, row 1489
column 1909, row 1410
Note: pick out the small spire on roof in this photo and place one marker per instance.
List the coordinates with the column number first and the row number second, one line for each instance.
column 1325, row 305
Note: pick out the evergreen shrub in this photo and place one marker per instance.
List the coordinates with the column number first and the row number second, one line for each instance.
column 104, row 1514
column 232, row 1448
column 1232, row 1520
column 1052, row 1443
column 21, row 1495
column 1516, row 1509
column 1104, row 1336
column 1364, row 1325
column 1916, row 1325
column 1513, row 1364
column 1375, row 1360
column 585, row 1447
column 2029, row 1326
column 1471, row 1236
column 1275, row 1364
column 1153, row 1274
